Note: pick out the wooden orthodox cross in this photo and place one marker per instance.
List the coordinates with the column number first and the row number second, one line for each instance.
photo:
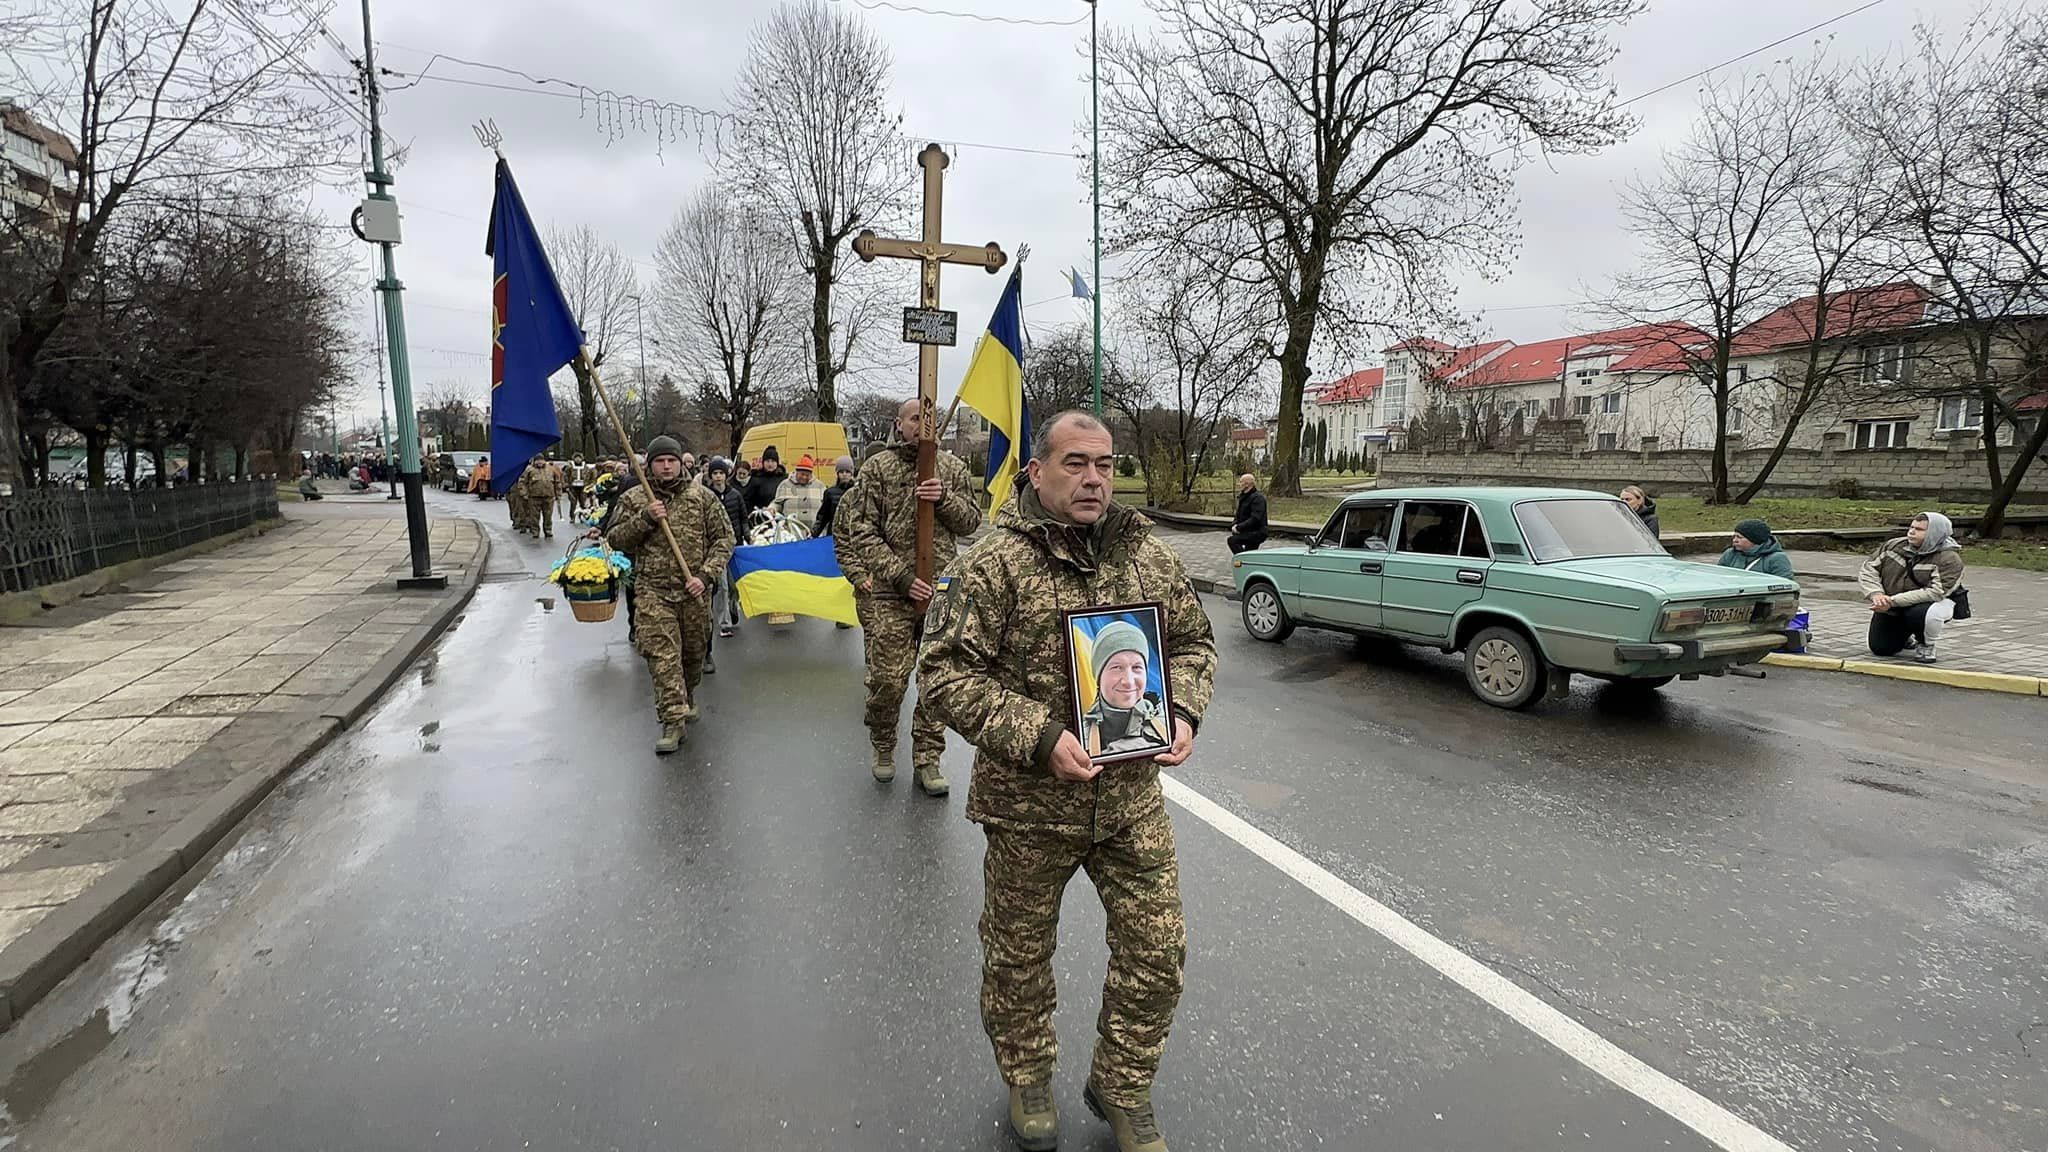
column 930, row 252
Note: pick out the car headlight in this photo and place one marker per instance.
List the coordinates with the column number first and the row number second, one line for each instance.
column 1677, row 619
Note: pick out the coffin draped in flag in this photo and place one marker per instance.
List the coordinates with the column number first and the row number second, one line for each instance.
column 994, row 387
column 533, row 334
column 801, row 577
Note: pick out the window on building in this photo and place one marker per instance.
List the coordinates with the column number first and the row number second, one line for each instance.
column 1609, row 441
column 1882, row 433
column 1959, row 413
column 1394, row 402
column 1735, row 421
column 1531, row 409
column 1885, row 363
column 1586, row 373
column 1582, row 405
column 1611, row 403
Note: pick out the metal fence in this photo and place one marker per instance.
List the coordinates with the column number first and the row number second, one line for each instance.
column 49, row 535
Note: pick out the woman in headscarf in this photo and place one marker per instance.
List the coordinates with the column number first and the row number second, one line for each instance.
column 1909, row 583
column 1123, row 718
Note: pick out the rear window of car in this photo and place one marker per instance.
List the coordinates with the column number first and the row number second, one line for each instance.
column 1581, row 529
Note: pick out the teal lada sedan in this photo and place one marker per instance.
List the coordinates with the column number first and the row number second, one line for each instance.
column 1531, row 584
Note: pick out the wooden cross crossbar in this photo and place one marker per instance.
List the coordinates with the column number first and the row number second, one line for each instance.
column 930, row 252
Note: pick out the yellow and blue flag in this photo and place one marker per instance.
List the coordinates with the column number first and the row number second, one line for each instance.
column 801, row 577
column 994, row 387
column 533, row 333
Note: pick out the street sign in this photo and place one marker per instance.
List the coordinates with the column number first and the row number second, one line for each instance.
column 931, row 326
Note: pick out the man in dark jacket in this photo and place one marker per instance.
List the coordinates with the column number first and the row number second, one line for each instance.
column 1248, row 527
column 763, row 483
column 830, row 509
column 718, row 478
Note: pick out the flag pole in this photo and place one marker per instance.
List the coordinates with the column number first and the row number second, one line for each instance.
column 632, row 457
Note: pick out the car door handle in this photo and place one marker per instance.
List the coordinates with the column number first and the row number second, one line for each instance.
column 1372, row 566
column 1468, row 576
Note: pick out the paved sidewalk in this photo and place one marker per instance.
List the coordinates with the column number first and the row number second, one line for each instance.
column 2007, row 633
column 124, row 714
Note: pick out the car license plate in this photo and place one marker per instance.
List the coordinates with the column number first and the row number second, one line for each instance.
column 1737, row 614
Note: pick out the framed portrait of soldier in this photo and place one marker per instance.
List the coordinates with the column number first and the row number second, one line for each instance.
column 1116, row 663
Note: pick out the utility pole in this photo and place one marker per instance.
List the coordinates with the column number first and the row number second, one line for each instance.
column 640, row 339
column 1095, row 160
column 380, row 213
column 390, row 465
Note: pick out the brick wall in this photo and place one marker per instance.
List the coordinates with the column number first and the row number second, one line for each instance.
column 1950, row 474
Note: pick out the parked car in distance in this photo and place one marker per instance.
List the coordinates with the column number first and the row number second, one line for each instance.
column 1531, row 584
column 454, row 467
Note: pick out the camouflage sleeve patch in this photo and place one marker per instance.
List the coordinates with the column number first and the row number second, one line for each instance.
column 942, row 621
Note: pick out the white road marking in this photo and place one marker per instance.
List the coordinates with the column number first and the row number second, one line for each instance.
column 1722, row 1128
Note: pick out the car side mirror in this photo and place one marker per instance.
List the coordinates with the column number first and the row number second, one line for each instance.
column 1315, row 542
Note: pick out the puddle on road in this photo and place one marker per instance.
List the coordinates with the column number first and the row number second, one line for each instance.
column 36, row 1082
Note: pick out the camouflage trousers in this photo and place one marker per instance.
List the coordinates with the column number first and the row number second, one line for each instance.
column 672, row 629
column 530, row 514
column 890, row 631
column 1137, row 874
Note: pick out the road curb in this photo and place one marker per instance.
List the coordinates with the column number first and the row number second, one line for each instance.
column 42, row 957
column 1947, row 677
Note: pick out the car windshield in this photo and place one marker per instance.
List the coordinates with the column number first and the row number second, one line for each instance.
column 465, row 459
column 1577, row 529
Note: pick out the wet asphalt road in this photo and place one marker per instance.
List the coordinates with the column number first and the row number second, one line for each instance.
column 490, row 918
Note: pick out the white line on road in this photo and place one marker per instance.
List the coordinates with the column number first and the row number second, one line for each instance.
column 1724, row 1129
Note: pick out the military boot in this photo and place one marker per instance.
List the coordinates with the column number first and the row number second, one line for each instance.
column 1034, row 1122
column 930, row 780
column 671, row 739
column 1135, row 1129
column 885, row 764
column 690, row 713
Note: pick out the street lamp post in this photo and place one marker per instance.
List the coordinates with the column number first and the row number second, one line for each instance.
column 640, row 340
column 380, row 181
column 383, row 413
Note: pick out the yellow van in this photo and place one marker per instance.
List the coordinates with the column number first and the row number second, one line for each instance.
column 795, row 439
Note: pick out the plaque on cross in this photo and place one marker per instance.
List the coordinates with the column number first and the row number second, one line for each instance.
column 930, row 252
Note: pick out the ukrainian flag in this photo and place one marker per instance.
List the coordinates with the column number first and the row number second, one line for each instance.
column 994, row 387
column 800, row 577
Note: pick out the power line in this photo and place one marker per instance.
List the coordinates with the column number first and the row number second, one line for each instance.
column 1746, row 55
column 888, row 6
column 340, row 100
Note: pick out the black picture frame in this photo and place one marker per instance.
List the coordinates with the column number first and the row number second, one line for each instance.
column 1153, row 709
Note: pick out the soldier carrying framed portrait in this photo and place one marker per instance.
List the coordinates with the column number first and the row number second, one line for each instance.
column 1116, row 667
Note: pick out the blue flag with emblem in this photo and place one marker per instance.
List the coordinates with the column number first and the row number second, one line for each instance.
column 533, row 334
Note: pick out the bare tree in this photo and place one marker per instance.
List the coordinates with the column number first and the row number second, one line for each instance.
column 1963, row 129
column 1714, row 231
column 1345, row 154
column 446, row 414
column 1201, row 345
column 724, row 292
column 213, row 93
column 816, row 141
column 1841, row 208
column 600, row 285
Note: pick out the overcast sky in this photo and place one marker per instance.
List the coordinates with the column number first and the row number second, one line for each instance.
column 961, row 82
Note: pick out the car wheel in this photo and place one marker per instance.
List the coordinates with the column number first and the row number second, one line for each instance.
column 1264, row 616
column 1504, row 668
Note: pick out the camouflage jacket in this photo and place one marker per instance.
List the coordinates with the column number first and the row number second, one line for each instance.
column 700, row 525
column 536, row 481
column 994, row 662
column 875, row 529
